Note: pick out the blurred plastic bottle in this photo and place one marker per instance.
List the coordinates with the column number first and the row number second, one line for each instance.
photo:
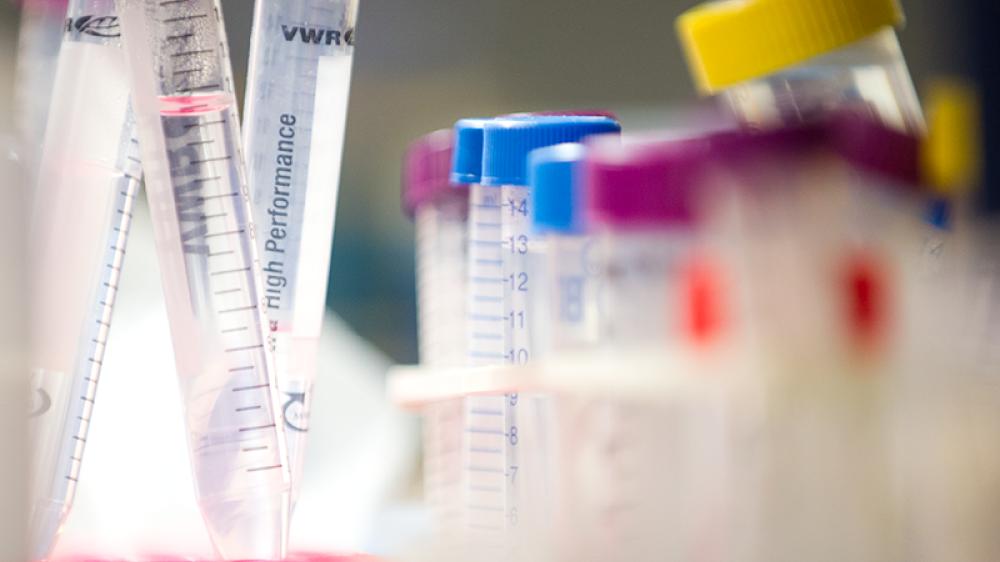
column 778, row 62
column 440, row 210
column 827, row 231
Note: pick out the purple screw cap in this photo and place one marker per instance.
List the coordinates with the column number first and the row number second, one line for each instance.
column 644, row 183
column 873, row 147
column 426, row 167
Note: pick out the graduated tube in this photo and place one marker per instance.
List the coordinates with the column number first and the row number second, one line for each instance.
column 440, row 210
column 200, row 205
column 82, row 210
column 525, row 422
column 482, row 460
column 296, row 111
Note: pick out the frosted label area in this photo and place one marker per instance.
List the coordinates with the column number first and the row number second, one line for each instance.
column 294, row 131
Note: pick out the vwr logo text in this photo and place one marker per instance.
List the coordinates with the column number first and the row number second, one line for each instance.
column 98, row 26
column 318, row 35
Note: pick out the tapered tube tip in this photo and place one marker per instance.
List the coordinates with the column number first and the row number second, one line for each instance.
column 248, row 528
column 47, row 520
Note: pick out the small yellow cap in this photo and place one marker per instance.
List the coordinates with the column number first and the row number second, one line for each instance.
column 951, row 156
column 729, row 41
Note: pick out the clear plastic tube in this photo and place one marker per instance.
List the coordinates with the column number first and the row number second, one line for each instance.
column 200, row 206
column 574, row 285
column 527, row 418
column 442, row 261
column 484, row 473
column 82, row 212
column 868, row 77
column 517, row 238
column 296, row 112
column 43, row 23
column 486, row 308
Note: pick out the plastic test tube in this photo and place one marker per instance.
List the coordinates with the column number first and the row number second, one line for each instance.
column 80, row 221
column 43, row 23
column 664, row 294
column 637, row 478
column 296, row 112
column 440, row 210
column 775, row 67
column 567, row 320
column 482, row 479
column 506, row 144
column 200, row 205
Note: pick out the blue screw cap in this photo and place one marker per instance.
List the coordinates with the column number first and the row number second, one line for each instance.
column 467, row 150
column 554, row 175
column 507, row 142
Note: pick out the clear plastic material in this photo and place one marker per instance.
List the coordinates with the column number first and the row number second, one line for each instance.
column 868, row 77
column 80, row 222
column 43, row 24
column 483, row 473
column 442, row 262
column 517, row 238
column 526, row 418
column 574, row 283
column 826, row 252
column 486, row 308
column 644, row 480
column 296, row 111
column 200, row 206
column 641, row 278
column 443, row 469
column 951, row 409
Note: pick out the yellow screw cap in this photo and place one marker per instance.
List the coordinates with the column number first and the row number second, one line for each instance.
column 730, row 41
column 951, row 156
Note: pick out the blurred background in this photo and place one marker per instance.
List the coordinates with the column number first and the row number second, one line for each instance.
column 421, row 65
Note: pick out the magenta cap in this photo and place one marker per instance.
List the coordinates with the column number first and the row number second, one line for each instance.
column 654, row 183
column 864, row 144
column 644, row 183
column 426, row 167
column 767, row 147
column 873, row 147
